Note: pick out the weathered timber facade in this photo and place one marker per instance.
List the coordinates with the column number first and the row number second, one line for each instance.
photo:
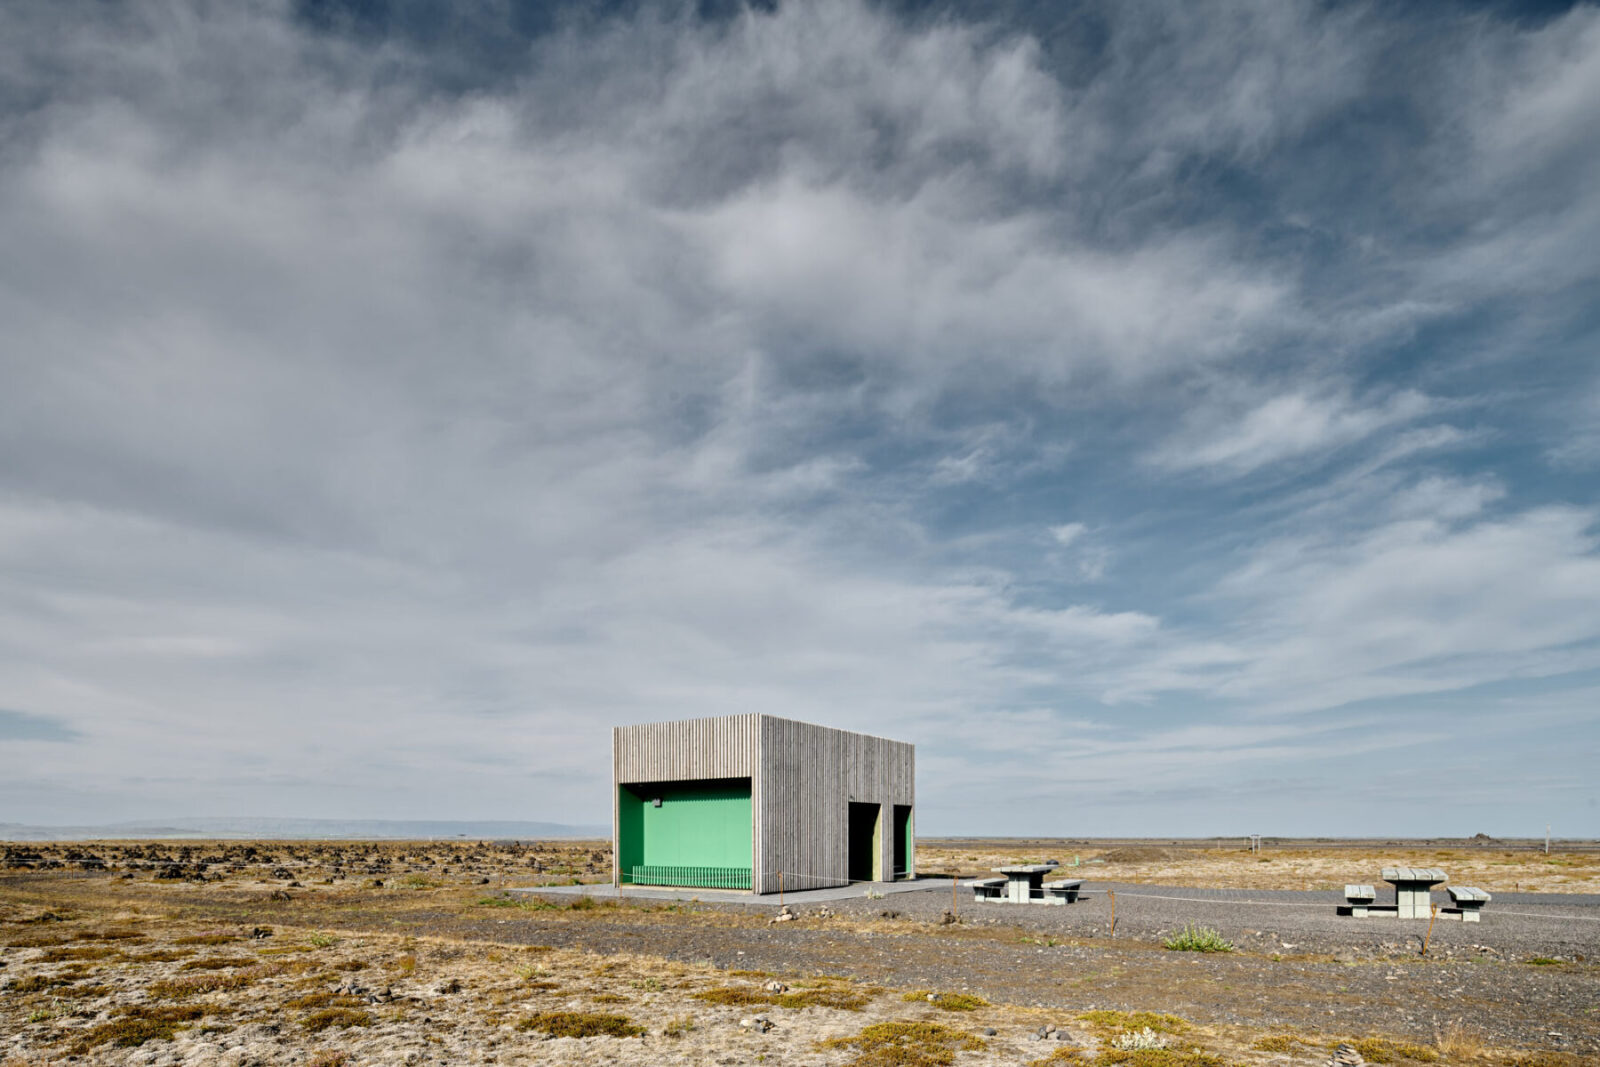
column 826, row 807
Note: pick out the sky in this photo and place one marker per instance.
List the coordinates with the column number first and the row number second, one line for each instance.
column 1174, row 419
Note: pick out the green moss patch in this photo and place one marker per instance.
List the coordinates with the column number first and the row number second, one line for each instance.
column 946, row 1001
column 905, row 1044
column 581, row 1024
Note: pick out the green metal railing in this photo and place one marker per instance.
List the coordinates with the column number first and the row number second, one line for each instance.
column 695, row 877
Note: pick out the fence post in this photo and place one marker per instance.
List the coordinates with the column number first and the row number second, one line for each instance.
column 1433, row 913
column 780, row 889
column 1113, row 897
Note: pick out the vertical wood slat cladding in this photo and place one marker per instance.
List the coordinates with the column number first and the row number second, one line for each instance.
column 802, row 778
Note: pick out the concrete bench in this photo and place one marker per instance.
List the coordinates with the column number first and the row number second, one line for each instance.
column 1064, row 892
column 1468, row 901
column 988, row 889
column 1360, row 898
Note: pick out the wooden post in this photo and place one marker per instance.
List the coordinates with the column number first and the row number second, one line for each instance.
column 955, row 880
column 1433, row 913
column 1113, row 897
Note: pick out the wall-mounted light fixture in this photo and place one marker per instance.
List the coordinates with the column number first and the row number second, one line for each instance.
column 655, row 802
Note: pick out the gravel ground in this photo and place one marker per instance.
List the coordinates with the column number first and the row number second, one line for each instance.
column 1299, row 967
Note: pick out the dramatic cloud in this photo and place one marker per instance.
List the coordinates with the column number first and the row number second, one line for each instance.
column 1151, row 404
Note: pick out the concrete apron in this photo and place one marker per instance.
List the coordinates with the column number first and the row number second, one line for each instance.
column 606, row 891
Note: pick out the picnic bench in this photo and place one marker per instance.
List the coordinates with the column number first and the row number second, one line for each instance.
column 988, row 888
column 1469, row 901
column 1360, row 899
column 1024, row 884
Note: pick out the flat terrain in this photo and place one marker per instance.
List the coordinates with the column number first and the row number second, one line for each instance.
column 410, row 952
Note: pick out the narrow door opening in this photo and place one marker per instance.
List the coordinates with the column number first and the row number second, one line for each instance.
column 865, row 864
column 902, row 841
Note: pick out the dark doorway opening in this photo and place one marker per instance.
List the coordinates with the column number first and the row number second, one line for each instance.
column 864, row 850
column 902, row 841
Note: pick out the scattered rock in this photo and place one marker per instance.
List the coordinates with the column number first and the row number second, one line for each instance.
column 785, row 914
column 989, row 1031
column 775, row 986
column 257, row 933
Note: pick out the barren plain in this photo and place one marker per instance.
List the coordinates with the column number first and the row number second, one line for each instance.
column 344, row 953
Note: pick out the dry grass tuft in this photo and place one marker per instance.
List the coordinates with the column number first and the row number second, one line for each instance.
column 581, row 1024
column 905, row 1044
column 87, row 952
column 820, row 997
column 1158, row 1057
column 332, row 1017
column 1064, row 1054
column 1456, row 1044
column 946, row 1001
column 329, row 1059
column 1384, row 1050
column 137, row 1025
column 1134, row 1020
column 217, row 963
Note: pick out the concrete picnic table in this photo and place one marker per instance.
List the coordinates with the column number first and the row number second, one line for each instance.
column 1025, row 882
column 1413, row 887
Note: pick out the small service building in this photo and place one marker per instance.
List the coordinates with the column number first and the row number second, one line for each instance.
column 740, row 801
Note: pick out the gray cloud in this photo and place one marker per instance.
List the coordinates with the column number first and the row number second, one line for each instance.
column 22, row 726
column 361, row 432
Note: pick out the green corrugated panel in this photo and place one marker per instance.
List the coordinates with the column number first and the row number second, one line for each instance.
column 696, row 877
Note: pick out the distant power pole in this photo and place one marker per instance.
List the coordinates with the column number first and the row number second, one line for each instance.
column 1547, row 839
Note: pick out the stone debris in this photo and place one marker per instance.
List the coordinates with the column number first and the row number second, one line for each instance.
column 758, row 1023
column 775, row 986
column 785, row 914
column 451, row 986
column 1345, row 1056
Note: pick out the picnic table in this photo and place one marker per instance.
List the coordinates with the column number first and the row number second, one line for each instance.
column 1413, row 889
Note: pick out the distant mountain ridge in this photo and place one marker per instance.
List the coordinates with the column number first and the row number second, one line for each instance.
column 247, row 827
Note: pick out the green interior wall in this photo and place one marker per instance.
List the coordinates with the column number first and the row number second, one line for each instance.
column 704, row 824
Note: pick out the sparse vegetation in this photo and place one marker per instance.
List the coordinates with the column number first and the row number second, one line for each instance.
column 820, row 997
column 1115, row 1021
column 1384, row 1050
column 329, row 1018
column 1159, row 1057
column 905, row 1044
column 678, row 1026
column 1198, row 939
column 581, row 1024
column 946, row 1001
